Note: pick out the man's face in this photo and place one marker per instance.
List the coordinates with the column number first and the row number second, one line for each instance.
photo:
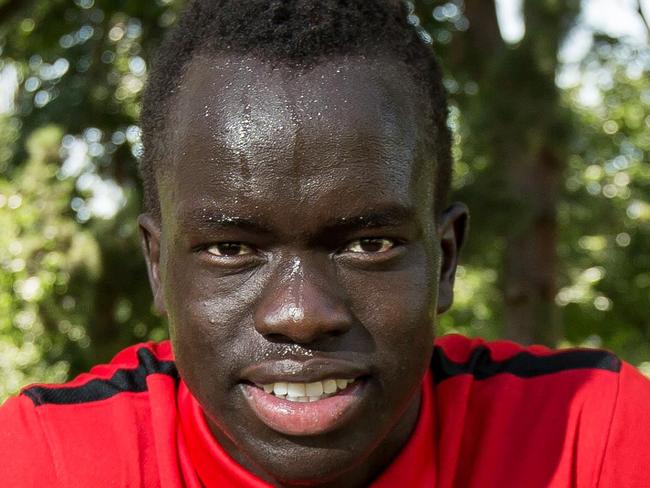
column 298, row 249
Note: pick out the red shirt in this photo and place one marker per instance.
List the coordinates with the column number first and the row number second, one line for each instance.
column 492, row 415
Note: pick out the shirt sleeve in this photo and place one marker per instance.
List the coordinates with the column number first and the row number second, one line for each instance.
column 626, row 460
column 24, row 452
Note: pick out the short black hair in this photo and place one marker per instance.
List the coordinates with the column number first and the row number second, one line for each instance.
column 301, row 33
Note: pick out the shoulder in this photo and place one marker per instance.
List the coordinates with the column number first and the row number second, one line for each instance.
column 100, row 417
column 526, row 383
column 128, row 372
column 24, row 447
column 626, row 456
column 458, row 355
column 562, row 413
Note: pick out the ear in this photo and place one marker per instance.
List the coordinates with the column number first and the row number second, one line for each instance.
column 150, row 240
column 451, row 229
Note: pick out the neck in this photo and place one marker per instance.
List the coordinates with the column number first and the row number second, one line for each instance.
column 361, row 474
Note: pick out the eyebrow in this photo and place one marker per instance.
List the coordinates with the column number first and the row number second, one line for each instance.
column 216, row 222
column 389, row 216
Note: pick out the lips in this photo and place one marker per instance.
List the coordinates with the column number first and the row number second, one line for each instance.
column 304, row 397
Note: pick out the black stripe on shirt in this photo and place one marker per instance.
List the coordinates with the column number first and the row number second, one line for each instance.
column 123, row 380
column 480, row 365
column 524, row 364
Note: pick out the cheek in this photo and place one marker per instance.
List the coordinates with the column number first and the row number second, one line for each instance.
column 213, row 338
column 195, row 294
column 396, row 309
column 210, row 317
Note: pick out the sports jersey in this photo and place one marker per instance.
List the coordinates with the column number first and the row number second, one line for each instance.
column 492, row 414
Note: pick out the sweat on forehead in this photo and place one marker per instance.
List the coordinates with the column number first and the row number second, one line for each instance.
column 240, row 103
column 271, row 128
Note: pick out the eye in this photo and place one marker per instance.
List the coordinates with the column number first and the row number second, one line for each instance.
column 371, row 245
column 229, row 249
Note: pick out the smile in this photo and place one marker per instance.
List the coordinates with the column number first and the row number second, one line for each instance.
column 305, row 415
column 304, row 398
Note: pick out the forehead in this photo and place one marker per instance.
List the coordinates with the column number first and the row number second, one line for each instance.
column 247, row 131
column 360, row 89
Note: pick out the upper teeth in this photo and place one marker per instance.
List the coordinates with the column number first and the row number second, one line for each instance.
column 306, row 392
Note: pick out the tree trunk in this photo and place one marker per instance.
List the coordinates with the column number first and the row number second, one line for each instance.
column 516, row 112
column 530, row 260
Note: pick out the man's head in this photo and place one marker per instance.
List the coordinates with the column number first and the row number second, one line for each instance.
column 296, row 236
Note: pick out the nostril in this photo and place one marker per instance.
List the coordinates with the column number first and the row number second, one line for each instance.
column 276, row 338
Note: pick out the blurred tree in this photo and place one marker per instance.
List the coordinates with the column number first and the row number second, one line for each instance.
column 80, row 77
column 519, row 131
column 558, row 189
column 526, row 151
column 40, row 247
column 605, row 208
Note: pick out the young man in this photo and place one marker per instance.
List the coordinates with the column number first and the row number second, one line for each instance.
column 298, row 241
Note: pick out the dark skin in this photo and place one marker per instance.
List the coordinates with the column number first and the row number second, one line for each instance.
column 297, row 221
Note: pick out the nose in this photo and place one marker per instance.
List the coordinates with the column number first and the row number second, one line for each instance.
column 302, row 307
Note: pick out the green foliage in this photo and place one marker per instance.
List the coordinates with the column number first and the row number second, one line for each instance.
column 41, row 247
column 605, row 210
column 73, row 284
column 506, row 105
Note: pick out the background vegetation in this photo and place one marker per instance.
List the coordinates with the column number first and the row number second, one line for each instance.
column 552, row 157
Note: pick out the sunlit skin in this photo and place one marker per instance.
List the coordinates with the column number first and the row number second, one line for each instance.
column 297, row 222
